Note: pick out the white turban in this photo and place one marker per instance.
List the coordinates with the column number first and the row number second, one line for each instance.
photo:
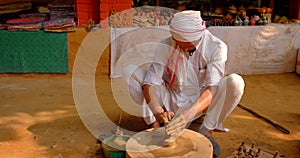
column 187, row 26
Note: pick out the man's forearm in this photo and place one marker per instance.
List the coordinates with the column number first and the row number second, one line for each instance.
column 152, row 99
column 201, row 103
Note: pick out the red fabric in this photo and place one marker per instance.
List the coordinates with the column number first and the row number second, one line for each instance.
column 170, row 63
column 122, row 6
column 24, row 21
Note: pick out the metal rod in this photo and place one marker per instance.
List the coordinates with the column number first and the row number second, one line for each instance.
column 275, row 124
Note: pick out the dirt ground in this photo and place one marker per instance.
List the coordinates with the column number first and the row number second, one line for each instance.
column 38, row 117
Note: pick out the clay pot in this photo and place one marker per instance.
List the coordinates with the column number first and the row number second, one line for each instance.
column 236, row 22
column 259, row 22
column 242, row 8
column 262, row 10
column 244, row 13
column 256, row 17
column 228, row 17
column 265, row 21
column 246, row 21
column 219, row 11
column 252, row 21
column 232, row 7
column 269, row 10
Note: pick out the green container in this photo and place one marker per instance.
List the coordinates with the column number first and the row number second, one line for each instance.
column 115, row 146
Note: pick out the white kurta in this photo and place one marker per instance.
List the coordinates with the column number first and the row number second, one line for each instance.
column 206, row 67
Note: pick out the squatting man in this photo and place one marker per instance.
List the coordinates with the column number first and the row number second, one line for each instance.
column 187, row 79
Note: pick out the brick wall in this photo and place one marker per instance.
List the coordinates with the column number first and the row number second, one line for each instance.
column 99, row 10
column 86, row 10
column 106, row 6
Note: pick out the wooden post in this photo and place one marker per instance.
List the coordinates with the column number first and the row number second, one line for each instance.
column 157, row 3
column 294, row 9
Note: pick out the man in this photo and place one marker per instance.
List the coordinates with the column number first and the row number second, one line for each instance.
column 187, row 78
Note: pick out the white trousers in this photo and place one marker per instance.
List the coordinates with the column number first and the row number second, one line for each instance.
column 227, row 97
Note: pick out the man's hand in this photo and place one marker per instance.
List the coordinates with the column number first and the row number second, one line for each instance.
column 176, row 126
column 164, row 117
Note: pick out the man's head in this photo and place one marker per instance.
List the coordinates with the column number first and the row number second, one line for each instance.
column 187, row 28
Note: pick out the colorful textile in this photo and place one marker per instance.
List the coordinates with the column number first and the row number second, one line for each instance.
column 60, row 25
column 68, row 29
column 61, row 11
column 34, row 15
column 58, row 22
column 25, row 27
column 25, row 21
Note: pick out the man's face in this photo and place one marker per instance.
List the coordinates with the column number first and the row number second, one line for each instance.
column 187, row 46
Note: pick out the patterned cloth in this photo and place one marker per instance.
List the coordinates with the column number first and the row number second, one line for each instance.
column 61, row 11
column 33, row 52
column 60, row 25
column 25, row 21
column 25, row 27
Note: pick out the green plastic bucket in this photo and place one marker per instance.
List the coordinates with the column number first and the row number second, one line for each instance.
column 115, row 146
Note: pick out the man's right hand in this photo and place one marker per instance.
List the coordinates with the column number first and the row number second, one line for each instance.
column 164, row 117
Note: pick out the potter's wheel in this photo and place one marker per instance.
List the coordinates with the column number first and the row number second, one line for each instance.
column 151, row 145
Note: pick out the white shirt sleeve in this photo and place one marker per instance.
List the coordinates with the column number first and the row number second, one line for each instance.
column 157, row 68
column 154, row 74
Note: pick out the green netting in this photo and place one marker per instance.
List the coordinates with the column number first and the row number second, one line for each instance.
column 33, row 52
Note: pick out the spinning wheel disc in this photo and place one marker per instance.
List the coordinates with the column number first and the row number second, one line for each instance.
column 151, row 145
